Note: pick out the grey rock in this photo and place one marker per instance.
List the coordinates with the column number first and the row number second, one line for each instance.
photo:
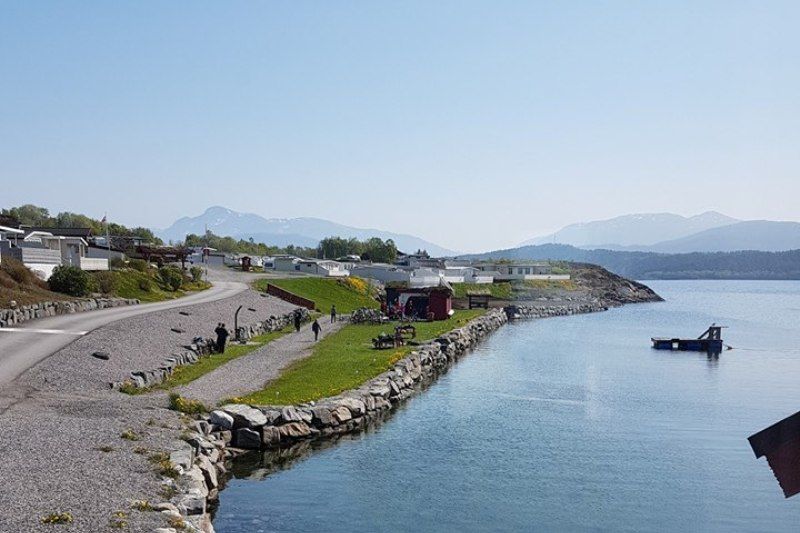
column 182, row 458
column 273, row 415
column 294, row 430
column 321, row 416
column 244, row 415
column 164, row 506
column 247, row 439
column 192, row 504
column 209, row 471
column 221, row 419
column 270, row 436
column 292, row 414
column 355, row 405
column 341, row 414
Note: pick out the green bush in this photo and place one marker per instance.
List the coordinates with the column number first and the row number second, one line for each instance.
column 145, row 285
column 70, row 280
column 171, row 277
column 116, row 263
column 139, row 264
column 185, row 405
column 106, row 282
column 197, row 274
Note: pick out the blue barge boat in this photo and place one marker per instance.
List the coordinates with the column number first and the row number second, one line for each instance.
column 709, row 341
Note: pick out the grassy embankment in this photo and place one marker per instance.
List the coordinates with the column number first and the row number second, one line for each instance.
column 345, row 360
column 347, row 294
column 18, row 284
column 146, row 286
column 512, row 290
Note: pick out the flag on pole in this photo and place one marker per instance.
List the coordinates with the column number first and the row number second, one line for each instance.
column 108, row 237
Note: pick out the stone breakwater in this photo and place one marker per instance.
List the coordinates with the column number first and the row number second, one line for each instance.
column 17, row 315
column 529, row 312
column 192, row 353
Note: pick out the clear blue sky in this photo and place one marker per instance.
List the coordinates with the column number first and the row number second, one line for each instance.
column 402, row 115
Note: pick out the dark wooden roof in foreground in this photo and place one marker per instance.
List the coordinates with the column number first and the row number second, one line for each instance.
column 780, row 443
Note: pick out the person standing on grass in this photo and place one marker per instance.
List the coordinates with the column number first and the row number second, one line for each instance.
column 222, row 337
column 297, row 321
column 333, row 314
column 316, row 328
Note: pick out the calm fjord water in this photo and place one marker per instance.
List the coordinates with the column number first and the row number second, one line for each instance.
column 569, row 424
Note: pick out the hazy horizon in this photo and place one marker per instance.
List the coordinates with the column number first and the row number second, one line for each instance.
column 475, row 126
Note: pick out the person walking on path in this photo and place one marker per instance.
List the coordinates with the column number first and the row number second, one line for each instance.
column 333, row 314
column 222, row 337
column 297, row 321
column 316, row 328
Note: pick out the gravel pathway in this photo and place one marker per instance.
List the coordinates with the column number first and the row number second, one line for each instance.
column 252, row 371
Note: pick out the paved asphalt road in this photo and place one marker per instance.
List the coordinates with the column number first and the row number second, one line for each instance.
column 24, row 346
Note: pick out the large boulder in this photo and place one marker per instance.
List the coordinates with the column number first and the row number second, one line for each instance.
column 270, row 436
column 293, row 414
column 294, row 430
column 245, row 416
column 341, row 414
column 221, row 419
column 355, row 405
column 209, row 471
column 321, row 416
column 247, row 439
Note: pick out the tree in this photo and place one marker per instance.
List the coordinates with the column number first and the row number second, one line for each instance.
column 379, row 251
column 29, row 214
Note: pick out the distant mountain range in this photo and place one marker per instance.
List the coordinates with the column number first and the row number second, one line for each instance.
column 649, row 265
column 284, row 231
column 670, row 233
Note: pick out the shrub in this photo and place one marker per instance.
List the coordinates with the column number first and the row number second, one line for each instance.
column 197, row 274
column 139, row 264
column 185, row 405
column 106, row 282
column 171, row 277
column 116, row 262
column 57, row 518
column 142, row 505
column 145, row 285
column 70, row 280
column 129, row 434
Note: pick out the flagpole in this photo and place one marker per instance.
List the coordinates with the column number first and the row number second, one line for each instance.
column 108, row 239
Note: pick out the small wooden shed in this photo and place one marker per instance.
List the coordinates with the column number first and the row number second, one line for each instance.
column 422, row 302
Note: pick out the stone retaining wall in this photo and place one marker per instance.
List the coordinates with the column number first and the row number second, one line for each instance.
column 528, row 311
column 201, row 347
column 13, row 317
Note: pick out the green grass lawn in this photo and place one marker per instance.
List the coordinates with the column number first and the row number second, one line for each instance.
column 347, row 294
column 345, row 360
column 188, row 373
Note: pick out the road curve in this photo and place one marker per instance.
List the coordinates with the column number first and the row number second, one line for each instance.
column 23, row 347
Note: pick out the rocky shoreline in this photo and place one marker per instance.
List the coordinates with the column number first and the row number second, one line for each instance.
column 18, row 315
column 235, row 429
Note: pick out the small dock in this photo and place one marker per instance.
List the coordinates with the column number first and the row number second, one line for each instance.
column 709, row 341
